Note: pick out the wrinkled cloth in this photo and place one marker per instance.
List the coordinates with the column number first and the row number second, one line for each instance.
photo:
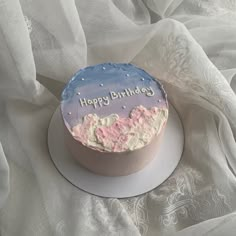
column 190, row 45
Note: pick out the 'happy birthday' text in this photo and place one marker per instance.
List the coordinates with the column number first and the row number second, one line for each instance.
column 105, row 101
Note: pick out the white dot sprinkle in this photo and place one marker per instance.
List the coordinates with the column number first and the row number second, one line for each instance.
column 159, row 100
column 142, row 79
column 123, row 107
column 69, row 113
column 104, row 68
column 78, row 93
column 82, row 79
column 127, row 75
column 101, row 85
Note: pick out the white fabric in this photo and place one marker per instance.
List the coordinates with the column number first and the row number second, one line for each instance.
column 188, row 44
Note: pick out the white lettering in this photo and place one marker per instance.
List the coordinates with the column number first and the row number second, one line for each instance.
column 106, row 101
column 144, row 90
column 150, row 92
column 95, row 101
column 131, row 92
column 123, row 94
column 113, row 95
column 83, row 102
column 100, row 102
column 137, row 90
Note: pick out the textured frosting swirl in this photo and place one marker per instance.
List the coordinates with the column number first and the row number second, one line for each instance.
column 119, row 134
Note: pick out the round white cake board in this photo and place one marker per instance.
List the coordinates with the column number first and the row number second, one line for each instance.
column 167, row 158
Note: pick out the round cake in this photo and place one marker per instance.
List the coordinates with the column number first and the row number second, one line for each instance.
column 114, row 117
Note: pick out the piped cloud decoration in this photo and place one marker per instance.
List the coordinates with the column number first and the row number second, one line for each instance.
column 119, row 134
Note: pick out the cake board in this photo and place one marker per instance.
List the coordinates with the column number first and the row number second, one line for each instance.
column 145, row 180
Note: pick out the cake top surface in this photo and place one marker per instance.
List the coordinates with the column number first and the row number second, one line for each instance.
column 114, row 107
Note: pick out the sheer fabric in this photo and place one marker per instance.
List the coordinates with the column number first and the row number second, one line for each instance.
column 188, row 44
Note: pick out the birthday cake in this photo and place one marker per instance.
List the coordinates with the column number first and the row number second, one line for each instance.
column 114, row 117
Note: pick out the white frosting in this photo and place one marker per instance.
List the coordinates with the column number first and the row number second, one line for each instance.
column 118, row 134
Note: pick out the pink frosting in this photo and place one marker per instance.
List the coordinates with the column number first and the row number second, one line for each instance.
column 80, row 130
column 118, row 134
column 114, row 135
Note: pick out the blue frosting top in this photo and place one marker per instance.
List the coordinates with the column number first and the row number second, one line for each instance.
column 109, row 88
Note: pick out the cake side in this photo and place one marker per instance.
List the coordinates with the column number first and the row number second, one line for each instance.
column 113, row 163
